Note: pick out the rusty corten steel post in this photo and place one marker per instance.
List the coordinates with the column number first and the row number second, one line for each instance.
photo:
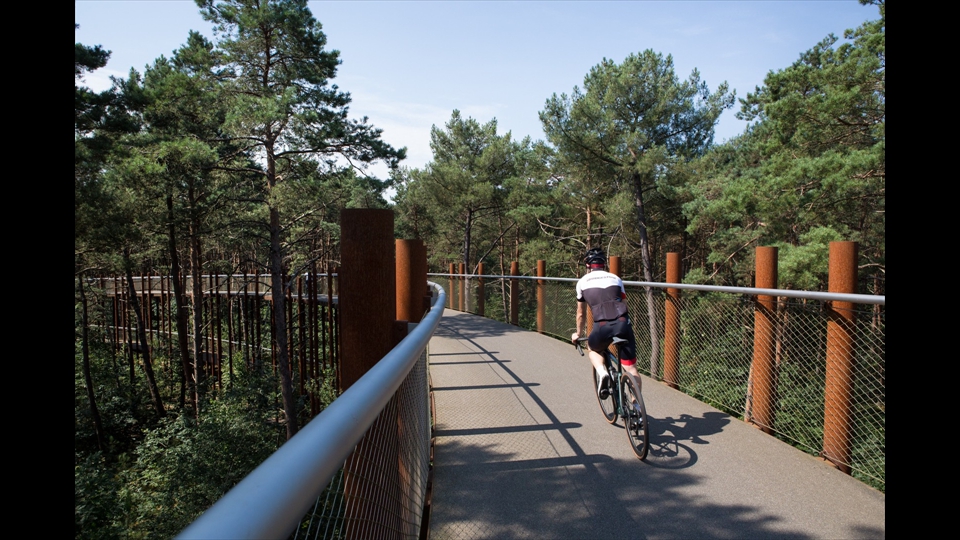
column 614, row 263
column 453, row 289
column 426, row 293
column 367, row 285
column 411, row 279
column 421, row 279
column 368, row 300
column 409, row 294
column 763, row 373
column 541, row 295
column 838, row 393
column 514, row 293
column 671, row 324
column 481, row 293
column 461, row 286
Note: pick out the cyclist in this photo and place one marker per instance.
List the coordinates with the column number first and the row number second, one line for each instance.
column 606, row 296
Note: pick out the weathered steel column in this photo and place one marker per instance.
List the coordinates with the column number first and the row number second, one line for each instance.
column 367, row 284
column 762, row 381
column 422, row 268
column 614, row 263
column 541, row 295
column 409, row 289
column 420, row 277
column 367, row 303
column 461, row 286
column 838, row 394
column 452, row 293
column 514, row 293
column 481, row 293
column 671, row 324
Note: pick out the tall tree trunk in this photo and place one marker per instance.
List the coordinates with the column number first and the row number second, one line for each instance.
column 183, row 313
column 589, row 228
column 280, row 321
column 87, row 378
column 142, row 335
column 516, row 246
column 279, row 302
column 647, row 276
column 196, row 270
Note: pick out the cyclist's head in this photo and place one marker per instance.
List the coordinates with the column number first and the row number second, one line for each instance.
column 595, row 259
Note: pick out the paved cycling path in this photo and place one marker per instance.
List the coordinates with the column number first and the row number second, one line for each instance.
column 522, row 451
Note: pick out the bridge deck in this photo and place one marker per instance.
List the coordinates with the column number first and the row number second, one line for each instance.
column 522, row 451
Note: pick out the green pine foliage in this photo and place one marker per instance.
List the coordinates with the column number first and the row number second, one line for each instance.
column 158, row 476
column 182, row 467
column 809, row 169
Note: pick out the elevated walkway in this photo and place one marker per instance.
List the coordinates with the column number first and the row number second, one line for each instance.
column 522, row 451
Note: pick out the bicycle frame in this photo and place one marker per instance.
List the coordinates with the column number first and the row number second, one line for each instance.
column 629, row 408
column 611, row 363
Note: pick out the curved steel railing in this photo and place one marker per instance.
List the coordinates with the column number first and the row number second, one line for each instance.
column 271, row 501
column 786, row 293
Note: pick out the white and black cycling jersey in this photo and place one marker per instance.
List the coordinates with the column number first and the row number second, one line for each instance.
column 604, row 293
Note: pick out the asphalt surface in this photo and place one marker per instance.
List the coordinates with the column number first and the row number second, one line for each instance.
column 522, row 451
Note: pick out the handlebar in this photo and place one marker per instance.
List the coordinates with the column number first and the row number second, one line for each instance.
column 579, row 345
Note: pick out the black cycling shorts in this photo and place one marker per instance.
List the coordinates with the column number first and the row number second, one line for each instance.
column 602, row 336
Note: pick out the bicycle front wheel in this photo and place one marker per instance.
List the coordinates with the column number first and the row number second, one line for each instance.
column 635, row 420
column 607, row 406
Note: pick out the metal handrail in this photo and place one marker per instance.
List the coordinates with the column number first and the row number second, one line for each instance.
column 272, row 499
column 786, row 293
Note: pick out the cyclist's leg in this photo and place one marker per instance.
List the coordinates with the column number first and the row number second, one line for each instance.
column 597, row 360
column 628, row 353
column 631, row 370
column 597, row 342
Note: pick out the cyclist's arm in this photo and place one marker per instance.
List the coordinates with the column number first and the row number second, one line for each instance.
column 581, row 316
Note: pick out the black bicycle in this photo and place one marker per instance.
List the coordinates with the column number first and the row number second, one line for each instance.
column 623, row 401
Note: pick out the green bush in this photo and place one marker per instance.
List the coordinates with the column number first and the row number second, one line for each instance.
column 180, row 467
column 96, row 502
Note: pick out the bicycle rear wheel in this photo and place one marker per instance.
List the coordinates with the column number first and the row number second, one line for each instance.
column 607, row 406
column 635, row 422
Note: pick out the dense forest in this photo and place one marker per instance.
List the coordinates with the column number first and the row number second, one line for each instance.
column 238, row 155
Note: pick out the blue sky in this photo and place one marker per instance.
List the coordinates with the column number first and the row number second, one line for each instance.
column 409, row 64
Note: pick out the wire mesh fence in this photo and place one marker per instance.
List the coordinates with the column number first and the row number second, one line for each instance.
column 777, row 380
column 359, row 470
column 381, row 491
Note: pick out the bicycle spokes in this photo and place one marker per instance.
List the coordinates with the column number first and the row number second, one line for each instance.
column 635, row 422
